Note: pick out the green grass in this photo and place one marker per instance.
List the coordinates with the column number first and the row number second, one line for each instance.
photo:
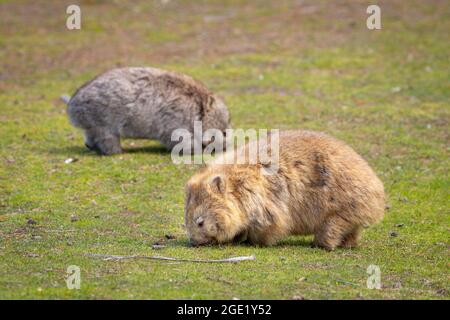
column 278, row 66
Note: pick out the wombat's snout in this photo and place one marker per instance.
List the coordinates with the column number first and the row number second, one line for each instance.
column 195, row 244
column 192, row 243
column 198, row 243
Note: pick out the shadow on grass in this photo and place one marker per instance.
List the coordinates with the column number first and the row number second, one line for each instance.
column 159, row 149
column 294, row 242
column 83, row 151
column 72, row 150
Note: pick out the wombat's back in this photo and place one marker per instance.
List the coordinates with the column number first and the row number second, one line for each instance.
column 333, row 175
column 118, row 94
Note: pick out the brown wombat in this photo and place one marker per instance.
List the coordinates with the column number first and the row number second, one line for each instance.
column 144, row 103
column 322, row 187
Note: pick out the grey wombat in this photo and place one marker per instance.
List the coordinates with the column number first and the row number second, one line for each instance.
column 146, row 103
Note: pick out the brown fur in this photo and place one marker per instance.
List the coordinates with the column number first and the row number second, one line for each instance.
column 323, row 187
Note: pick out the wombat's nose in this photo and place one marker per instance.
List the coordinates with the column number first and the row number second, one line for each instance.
column 192, row 243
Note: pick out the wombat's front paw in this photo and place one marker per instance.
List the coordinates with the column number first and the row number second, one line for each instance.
column 351, row 239
column 109, row 152
column 323, row 245
column 109, row 146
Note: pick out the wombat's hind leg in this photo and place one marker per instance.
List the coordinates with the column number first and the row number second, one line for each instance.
column 106, row 142
column 332, row 233
column 351, row 239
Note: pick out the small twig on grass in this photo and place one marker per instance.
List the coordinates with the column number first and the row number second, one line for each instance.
column 107, row 257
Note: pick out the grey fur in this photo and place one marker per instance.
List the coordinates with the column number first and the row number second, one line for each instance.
column 142, row 103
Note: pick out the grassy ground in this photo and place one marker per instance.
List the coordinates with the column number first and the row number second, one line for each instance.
column 281, row 64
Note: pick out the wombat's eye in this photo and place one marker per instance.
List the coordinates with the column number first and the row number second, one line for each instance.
column 199, row 221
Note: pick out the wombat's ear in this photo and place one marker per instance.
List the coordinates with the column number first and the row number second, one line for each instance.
column 208, row 104
column 218, row 184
